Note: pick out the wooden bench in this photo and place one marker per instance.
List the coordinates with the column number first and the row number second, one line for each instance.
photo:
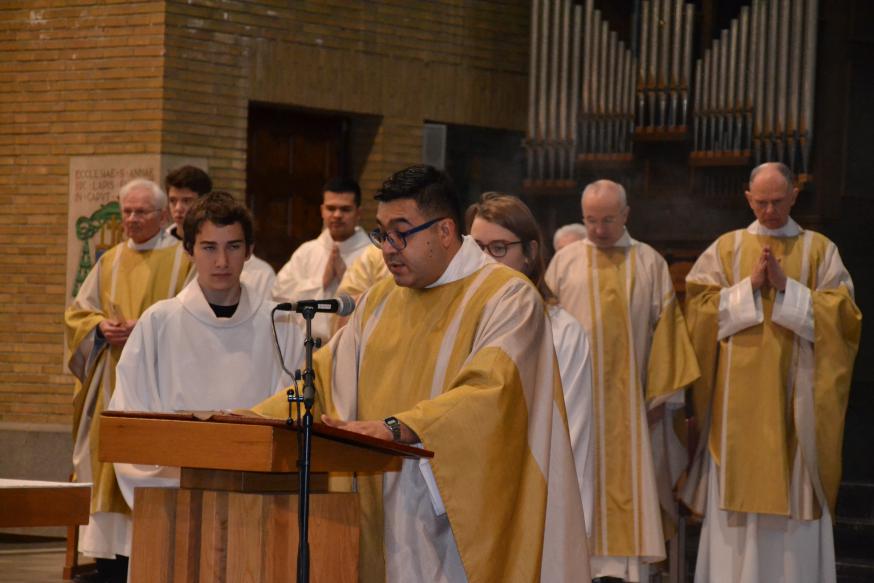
column 30, row 503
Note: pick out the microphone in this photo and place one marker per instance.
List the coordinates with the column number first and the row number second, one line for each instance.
column 342, row 305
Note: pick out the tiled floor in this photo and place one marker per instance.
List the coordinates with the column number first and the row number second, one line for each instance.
column 32, row 562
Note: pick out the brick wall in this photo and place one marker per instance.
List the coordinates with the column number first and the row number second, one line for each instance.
column 452, row 61
column 176, row 77
column 76, row 78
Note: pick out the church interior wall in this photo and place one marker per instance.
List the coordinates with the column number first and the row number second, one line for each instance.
column 393, row 62
column 176, row 78
column 76, row 79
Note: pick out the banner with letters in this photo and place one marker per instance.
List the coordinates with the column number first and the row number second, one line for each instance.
column 94, row 217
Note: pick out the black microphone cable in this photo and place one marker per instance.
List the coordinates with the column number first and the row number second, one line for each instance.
column 296, row 390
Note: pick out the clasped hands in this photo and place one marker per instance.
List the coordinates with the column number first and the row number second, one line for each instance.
column 116, row 332
column 335, row 268
column 768, row 271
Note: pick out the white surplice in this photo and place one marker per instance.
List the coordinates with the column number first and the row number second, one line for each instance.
column 259, row 277
column 301, row 277
column 575, row 369
column 181, row 356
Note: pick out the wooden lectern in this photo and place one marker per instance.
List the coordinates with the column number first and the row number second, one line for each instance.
column 234, row 516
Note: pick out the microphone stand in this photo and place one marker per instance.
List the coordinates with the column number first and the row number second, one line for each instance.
column 303, row 462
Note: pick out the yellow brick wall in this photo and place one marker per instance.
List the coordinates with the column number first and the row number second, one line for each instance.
column 91, row 77
column 76, row 78
column 450, row 61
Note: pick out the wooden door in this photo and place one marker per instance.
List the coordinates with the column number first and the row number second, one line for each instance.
column 291, row 154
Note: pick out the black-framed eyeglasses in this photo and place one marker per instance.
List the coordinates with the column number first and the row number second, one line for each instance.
column 398, row 239
column 497, row 248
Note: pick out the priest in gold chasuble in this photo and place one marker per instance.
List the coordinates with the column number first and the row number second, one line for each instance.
column 150, row 266
column 454, row 352
column 771, row 312
column 621, row 292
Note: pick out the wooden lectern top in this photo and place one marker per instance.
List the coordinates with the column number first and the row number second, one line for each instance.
column 242, row 443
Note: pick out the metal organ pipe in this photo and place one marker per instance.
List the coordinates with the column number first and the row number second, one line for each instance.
column 685, row 78
column 742, row 100
column 574, row 89
column 753, row 88
column 808, row 83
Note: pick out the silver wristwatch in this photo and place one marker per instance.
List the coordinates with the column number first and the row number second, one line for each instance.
column 393, row 425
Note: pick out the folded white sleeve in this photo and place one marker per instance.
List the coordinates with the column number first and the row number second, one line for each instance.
column 794, row 309
column 739, row 308
column 131, row 476
column 433, row 490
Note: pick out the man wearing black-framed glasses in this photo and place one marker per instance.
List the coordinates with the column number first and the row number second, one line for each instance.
column 398, row 239
column 454, row 351
column 411, row 268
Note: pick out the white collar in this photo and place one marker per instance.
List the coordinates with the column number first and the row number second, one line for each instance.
column 790, row 229
column 468, row 259
column 159, row 241
column 197, row 305
column 174, row 232
column 624, row 241
column 357, row 240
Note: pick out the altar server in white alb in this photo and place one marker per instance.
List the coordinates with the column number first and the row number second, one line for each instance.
column 317, row 267
column 504, row 227
column 184, row 186
column 620, row 290
column 775, row 327
column 211, row 347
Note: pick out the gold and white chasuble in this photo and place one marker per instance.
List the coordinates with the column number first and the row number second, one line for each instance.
column 126, row 280
column 642, row 358
column 776, row 371
column 364, row 272
column 468, row 364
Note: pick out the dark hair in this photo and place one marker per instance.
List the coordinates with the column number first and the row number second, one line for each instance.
column 219, row 208
column 340, row 184
column 514, row 215
column 432, row 189
column 190, row 177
